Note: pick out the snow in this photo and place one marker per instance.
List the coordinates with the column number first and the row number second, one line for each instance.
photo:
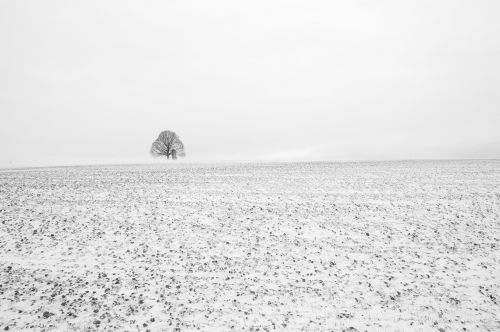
column 389, row 246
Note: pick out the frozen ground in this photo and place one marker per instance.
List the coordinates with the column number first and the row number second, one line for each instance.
column 393, row 246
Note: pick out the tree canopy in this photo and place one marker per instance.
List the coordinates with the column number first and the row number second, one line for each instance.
column 168, row 144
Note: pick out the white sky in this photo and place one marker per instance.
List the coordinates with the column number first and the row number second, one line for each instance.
column 96, row 81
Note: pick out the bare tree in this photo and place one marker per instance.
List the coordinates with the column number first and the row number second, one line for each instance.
column 168, row 144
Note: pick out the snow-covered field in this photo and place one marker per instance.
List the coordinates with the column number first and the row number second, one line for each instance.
column 382, row 246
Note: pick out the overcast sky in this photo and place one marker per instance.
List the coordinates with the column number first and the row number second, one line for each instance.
column 86, row 82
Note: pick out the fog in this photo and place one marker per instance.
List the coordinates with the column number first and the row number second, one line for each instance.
column 96, row 81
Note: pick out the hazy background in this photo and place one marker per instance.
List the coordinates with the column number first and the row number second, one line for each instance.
column 96, row 81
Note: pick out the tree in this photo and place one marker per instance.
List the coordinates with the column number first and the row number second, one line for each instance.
column 168, row 144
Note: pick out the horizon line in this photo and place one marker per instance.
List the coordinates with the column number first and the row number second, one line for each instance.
column 177, row 162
